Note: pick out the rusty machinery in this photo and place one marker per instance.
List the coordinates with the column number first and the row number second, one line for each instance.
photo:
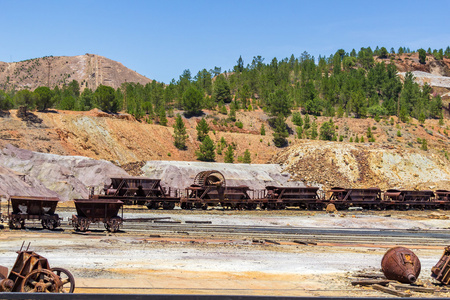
column 401, row 264
column 210, row 189
column 303, row 197
column 96, row 211
column 406, row 199
column 140, row 191
column 344, row 198
column 33, row 208
column 32, row 273
column 441, row 271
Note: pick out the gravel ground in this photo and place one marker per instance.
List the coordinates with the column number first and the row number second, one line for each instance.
column 135, row 263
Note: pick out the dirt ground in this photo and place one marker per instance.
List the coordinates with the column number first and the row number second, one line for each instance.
column 136, row 262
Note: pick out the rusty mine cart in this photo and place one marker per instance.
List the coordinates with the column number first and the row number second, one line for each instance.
column 33, row 208
column 31, row 273
column 96, row 211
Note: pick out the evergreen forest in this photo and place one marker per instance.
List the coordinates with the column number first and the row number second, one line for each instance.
column 363, row 84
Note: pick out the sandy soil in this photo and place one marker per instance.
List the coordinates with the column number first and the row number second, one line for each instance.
column 137, row 263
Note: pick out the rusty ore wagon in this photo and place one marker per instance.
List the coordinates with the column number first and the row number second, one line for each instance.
column 33, row 208
column 278, row 197
column 344, row 198
column 141, row 191
column 406, row 199
column 96, row 211
column 210, row 189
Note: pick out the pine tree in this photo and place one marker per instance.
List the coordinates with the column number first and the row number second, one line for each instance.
column 229, row 155
column 263, row 129
column 314, row 132
column 247, row 157
column 162, row 116
column 180, row 135
column 202, row 129
column 206, row 151
column 424, row 145
column 280, row 132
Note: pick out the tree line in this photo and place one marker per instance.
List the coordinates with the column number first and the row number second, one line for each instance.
column 342, row 84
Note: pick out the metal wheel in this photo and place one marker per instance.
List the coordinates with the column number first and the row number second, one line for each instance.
column 41, row 281
column 67, row 280
column 44, row 224
column 113, row 224
column 52, row 224
column 83, row 225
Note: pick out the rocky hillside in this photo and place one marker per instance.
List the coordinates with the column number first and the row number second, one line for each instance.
column 333, row 164
column 69, row 142
column 89, row 70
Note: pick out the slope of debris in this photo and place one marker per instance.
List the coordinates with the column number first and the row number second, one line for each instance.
column 39, row 174
column 364, row 165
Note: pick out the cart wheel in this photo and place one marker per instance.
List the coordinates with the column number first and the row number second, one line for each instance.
column 11, row 224
column 41, row 281
column 44, row 224
column 52, row 224
column 66, row 278
column 83, row 225
column 113, row 224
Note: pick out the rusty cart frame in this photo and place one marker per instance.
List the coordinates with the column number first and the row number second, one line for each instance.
column 32, row 273
column 97, row 211
column 22, row 208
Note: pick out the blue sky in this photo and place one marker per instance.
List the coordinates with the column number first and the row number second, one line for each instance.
column 160, row 39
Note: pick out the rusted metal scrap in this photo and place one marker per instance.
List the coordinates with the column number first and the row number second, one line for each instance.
column 6, row 284
column 441, row 271
column 32, row 273
column 401, row 264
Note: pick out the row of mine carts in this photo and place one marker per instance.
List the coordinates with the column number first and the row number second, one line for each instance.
column 106, row 211
column 210, row 190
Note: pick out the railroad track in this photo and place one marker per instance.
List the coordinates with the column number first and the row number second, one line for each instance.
column 278, row 233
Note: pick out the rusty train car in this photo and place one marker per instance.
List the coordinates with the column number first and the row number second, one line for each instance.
column 140, row 191
column 210, row 189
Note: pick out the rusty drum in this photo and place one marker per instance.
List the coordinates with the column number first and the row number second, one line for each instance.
column 401, row 264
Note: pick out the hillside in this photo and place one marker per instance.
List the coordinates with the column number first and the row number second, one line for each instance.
column 103, row 144
column 395, row 159
column 89, row 70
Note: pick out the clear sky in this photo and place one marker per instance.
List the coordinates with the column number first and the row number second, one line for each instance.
column 160, row 39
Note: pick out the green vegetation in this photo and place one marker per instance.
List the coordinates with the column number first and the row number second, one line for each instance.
column 206, row 151
column 344, row 84
column 202, row 129
column 179, row 133
column 229, row 155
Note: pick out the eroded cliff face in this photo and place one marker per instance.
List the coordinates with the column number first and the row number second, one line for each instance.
column 364, row 165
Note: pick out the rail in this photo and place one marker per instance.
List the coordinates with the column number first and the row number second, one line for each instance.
column 55, row 296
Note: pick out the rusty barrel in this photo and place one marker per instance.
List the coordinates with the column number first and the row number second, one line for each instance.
column 401, row 264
